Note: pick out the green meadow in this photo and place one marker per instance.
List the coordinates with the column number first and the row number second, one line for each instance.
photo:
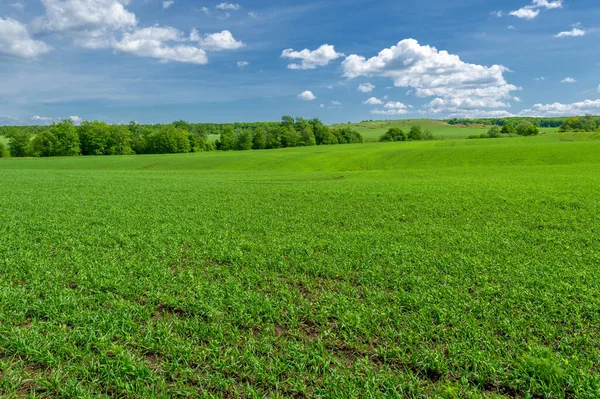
column 438, row 269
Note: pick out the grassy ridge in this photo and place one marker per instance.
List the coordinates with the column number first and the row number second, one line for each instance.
column 437, row 269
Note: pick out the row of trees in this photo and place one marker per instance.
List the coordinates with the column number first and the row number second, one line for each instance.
column 589, row 121
column 290, row 132
column 522, row 129
column 99, row 138
column 586, row 123
column 416, row 133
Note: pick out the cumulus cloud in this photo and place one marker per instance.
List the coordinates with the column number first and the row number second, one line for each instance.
column 525, row 13
column 307, row 96
column 392, row 108
column 242, row 64
column 531, row 11
column 154, row 42
column 311, row 59
column 568, row 80
column 373, row 101
column 456, row 85
column 16, row 41
column 559, row 109
column 228, row 6
column 216, row 41
column 575, row 32
column 168, row 4
column 365, row 87
column 92, row 23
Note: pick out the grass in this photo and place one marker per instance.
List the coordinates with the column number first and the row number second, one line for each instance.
column 371, row 131
column 453, row 269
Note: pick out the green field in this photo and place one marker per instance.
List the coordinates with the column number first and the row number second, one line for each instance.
column 441, row 269
column 372, row 130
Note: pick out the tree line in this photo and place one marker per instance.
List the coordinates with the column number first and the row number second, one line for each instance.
column 524, row 128
column 593, row 122
column 415, row 133
column 99, row 138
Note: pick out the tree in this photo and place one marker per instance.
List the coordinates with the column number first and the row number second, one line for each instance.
column 227, row 140
column 527, row 129
column 508, row 128
column 259, row 139
column 67, row 139
column 415, row 133
column 2, row 150
column 494, row 132
column 44, row 144
column 168, row 140
column 243, row 140
column 394, row 134
column 18, row 143
column 290, row 137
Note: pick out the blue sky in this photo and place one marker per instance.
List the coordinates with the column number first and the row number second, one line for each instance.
column 154, row 61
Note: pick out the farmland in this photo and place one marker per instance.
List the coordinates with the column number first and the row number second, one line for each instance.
column 451, row 268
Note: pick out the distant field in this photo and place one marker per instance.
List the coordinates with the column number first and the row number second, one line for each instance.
column 371, row 131
column 443, row 269
column 4, row 140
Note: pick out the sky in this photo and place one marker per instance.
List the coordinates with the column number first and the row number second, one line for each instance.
column 156, row 61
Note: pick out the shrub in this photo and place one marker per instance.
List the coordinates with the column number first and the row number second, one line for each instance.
column 527, row 129
column 394, row 134
column 2, row 150
column 494, row 132
column 415, row 133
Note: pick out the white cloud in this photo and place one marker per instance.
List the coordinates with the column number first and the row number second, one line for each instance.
column 242, row 64
column 517, row 99
column 336, row 103
column 575, row 32
column 16, row 41
column 568, row 80
column 322, row 106
column 497, row 14
column 228, row 6
column 456, row 85
column 393, row 108
column 510, row 27
column 558, row 109
column 168, row 4
column 525, row 13
column 205, row 10
column 216, row 41
column 307, row 96
column 253, row 15
column 533, row 10
column 311, row 59
column 92, row 23
column 42, row 119
column 365, row 87
column 151, row 42
column 373, row 101
column 65, row 15
column 540, row 78
column 548, row 4
column 76, row 119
